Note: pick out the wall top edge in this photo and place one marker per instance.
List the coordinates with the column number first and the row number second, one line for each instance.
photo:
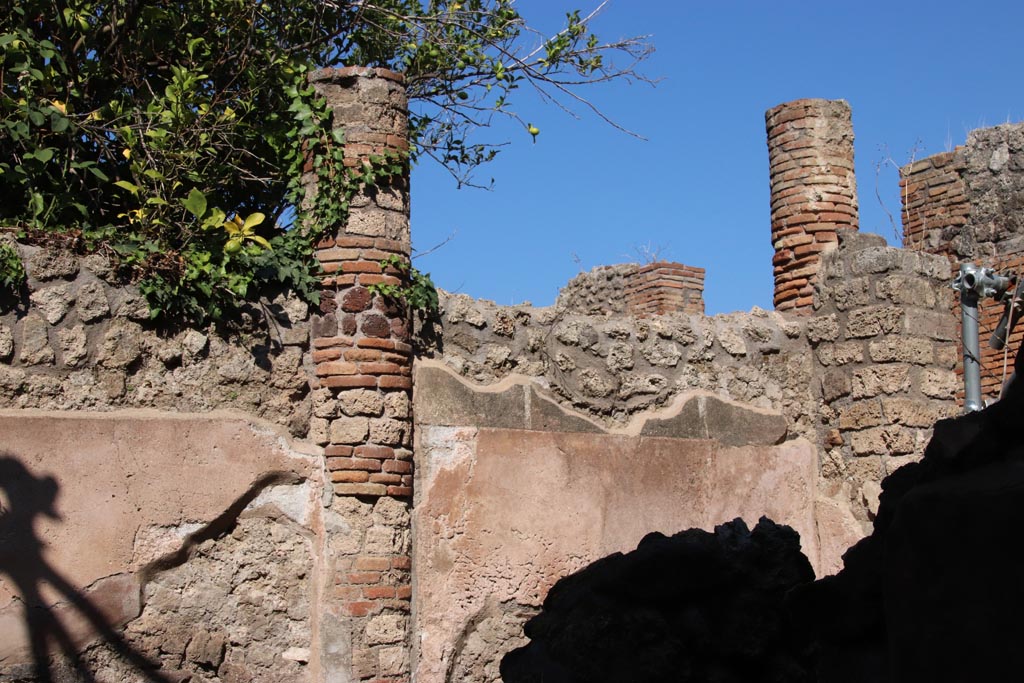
column 333, row 75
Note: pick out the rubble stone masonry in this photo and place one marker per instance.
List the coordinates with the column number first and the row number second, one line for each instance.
column 967, row 204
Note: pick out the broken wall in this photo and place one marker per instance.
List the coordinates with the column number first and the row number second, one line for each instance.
column 967, row 205
column 81, row 340
column 548, row 438
column 184, row 541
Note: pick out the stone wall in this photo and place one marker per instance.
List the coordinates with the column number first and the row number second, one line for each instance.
column 185, row 541
column 615, row 367
column 651, row 289
column 884, row 342
column 79, row 340
column 515, row 490
column 967, row 204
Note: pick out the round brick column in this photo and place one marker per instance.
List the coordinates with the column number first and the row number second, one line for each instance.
column 361, row 344
column 813, row 191
column 362, row 390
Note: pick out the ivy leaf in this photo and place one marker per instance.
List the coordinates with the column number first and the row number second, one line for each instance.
column 195, row 204
column 125, row 185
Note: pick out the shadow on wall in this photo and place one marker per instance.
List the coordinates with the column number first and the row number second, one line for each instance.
column 25, row 499
column 934, row 594
column 696, row 606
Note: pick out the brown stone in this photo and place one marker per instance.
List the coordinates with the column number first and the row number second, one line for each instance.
column 356, row 299
column 374, row 325
column 348, row 324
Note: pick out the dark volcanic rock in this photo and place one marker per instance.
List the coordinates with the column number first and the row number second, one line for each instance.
column 692, row 607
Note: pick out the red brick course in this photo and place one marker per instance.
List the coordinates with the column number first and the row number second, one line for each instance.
column 663, row 287
column 813, row 192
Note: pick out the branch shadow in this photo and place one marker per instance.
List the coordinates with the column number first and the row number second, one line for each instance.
column 26, row 499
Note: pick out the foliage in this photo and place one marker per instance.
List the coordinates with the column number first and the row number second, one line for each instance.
column 12, row 270
column 417, row 290
column 182, row 158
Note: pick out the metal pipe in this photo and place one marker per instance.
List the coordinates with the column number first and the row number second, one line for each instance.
column 973, row 283
column 972, row 350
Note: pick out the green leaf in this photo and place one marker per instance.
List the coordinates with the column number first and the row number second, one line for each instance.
column 252, row 221
column 58, row 123
column 125, row 185
column 259, row 240
column 195, row 204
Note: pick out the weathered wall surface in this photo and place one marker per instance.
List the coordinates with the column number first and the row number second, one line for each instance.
column 545, row 438
column 967, row 204
column 514, row 492
column 83, row 342
column 632, row 289
column 884, row 342
column 196, row 533
column 612, row 368
column 548, row 438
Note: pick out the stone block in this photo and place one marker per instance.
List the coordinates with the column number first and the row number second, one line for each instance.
column 6, row 342
column 662, row 354
column 890, row 440
column 620, row 357
column 875, row 320
column 938, row 325
column 595, row 384
column 917, row 413
column 361, row 402
column 73, row 346
column 396, row 404
column 875, row 260
column 35, row 343
column 861, row 414
column 901, row 350
column 52, row 302
column 50, row 264
column 349, row 430
column 938, row 383
column 835, row 384
column 633, row 384
column 387, row 431
column 92, row 302
column 822, row 328
column 848, row 352
column 732, row 342
column 847, row 294
column 907, row 290
column 386, row 629
column 120, row 346
column 882, row 379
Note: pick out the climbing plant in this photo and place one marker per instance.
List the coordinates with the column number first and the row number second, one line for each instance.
column 180, row 158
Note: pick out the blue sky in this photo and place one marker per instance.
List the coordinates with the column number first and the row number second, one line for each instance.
column 918, row 75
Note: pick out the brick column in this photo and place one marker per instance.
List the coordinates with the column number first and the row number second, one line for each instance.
column 813, row 192
column 663, row 287
column 363, row 384
column 935, row 204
